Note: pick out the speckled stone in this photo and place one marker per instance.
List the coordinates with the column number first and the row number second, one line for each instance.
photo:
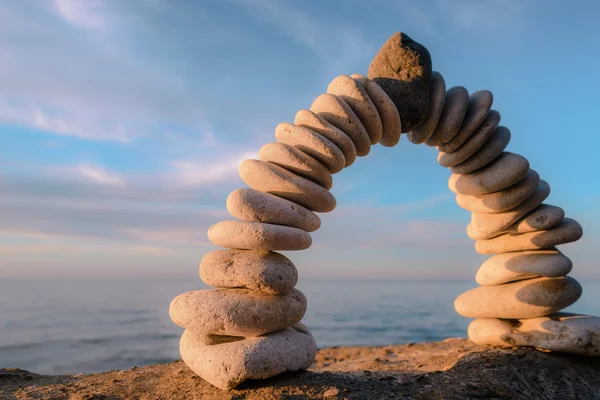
column 390, row 119
column 312, row 144
column 359, row 101
column 479, row 106
column 520, row 265
column 275, row 180
column 255, row 206
column 258, row 236
column 504, row 172
column 437, row 97
column 318, row 124
column 265, row 271
column 567, row 231
column 296, row 161
column 453, row 112
column 490, row 150
column 237, row 312
column 561, row 332
column 542, row 218
column 402, row 68
column 335, row 111
column 486, row 225
column 502, row 200
column 475, row 142
column 516, row 300
column 227, row 361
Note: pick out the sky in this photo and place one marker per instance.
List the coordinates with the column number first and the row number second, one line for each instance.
column 122, row 124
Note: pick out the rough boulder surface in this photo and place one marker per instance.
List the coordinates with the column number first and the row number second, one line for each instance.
column 452, row 369
column 402, row 68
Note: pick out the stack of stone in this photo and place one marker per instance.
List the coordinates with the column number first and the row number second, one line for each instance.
column 249, row 327
column 524, row 284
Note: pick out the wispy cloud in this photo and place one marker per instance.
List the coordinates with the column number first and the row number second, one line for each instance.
column 194, row 173
column 99, row 175
column 81, row 13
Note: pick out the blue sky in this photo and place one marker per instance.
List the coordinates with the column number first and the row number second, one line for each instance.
column 122, row 124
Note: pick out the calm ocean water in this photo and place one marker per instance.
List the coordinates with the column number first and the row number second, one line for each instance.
column 70, row 326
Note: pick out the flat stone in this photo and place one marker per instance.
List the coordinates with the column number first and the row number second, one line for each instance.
column 237, row 312
column 388, row 113
column 453, row 113
column 258, row 236
column 437, row 97
column 273, row 179
column 402, row 67
column 474, row 143
column 491, row 150
column 502, row 200
column 567, row 231
column 296, row 161
column 487, row 226
column 265, row 271
column 479, row 106
column 562, row 332
column 255, row 206
column 318, row 124
column 313, row 144
column 335, row 111
column 520, row 265
column 516, row 300
column 504, row 172
column 359, row 101
column 542, row 218
column 226, row 361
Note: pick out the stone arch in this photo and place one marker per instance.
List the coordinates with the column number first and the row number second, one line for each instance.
column 249, row 327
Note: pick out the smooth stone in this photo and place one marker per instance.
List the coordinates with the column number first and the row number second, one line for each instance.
column 296, row 161
column 273, row 179
column 455, row 107
column 487, row 226
column 265, row 271
column 502, row 200
column 258, row 236
column 475, row 142
column 312, row 144
column 517, row 266
column 226, row 361
column 335, row 111
column 542, row 218
column 237, row 312
column 255, row 206
column 402, row 67
column 479, row 106
column 388, row 113
column 486, row 154
column 561, row 332
column 523, row 299
column 318, row 124
column 437, row 97
column 504, row 172
column 567, row 231
column 359, row 101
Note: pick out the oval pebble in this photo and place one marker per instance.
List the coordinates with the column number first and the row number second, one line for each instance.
column 490, row 151
column 542, row 218
column 258, row 236
column 437, row 98
column 453, row 113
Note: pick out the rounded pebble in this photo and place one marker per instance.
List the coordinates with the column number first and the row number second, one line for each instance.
column 490, row 150
column 437, row 98
column 542, row 218
column 258, row 236
column 453, row 113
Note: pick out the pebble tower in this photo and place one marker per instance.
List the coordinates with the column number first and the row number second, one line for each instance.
column 249, row 326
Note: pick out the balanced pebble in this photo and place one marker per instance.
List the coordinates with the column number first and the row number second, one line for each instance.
column 453, row 113
column 504, row 172
column 275, row 180
column 359, row 101
column 491, row 150
column 390, row 118
column 517, row 266
column 258, row 236
column 523, row 299
column 437, row 97
column 237, row 312
column 567, row 231
column 318, row 124
column 335, row 110
column 542, row 218
column 312, row 144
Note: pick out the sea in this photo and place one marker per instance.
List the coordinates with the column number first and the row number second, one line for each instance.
column 70, row 326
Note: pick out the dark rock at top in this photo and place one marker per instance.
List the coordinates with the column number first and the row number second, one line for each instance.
column 402, row 68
